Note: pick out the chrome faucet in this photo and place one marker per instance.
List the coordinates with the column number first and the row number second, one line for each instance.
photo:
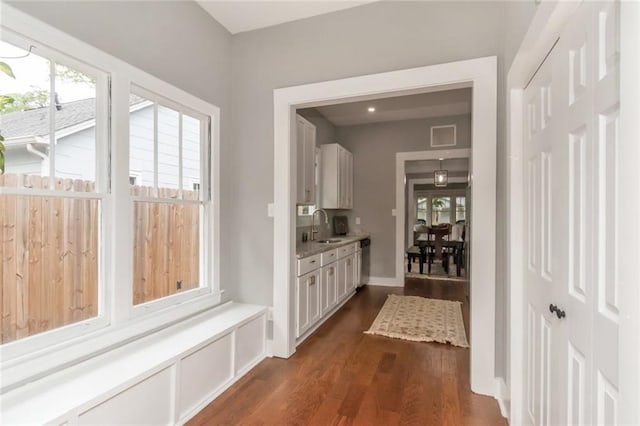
column 313, row 217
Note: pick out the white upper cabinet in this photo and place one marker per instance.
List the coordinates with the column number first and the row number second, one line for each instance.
column 306, row 147
column 336, row 190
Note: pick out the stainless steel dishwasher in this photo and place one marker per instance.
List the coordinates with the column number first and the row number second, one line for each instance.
column 365, row 246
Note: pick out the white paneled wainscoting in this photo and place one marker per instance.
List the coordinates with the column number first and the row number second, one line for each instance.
column 164, row 378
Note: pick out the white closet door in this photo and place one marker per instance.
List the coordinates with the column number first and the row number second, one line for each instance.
column 572, row 225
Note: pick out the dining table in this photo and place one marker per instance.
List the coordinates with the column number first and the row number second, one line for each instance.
column 454, row 245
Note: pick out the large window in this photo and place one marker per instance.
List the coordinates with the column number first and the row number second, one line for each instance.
column 166, row 150
column 52, row 191
column 108, row 212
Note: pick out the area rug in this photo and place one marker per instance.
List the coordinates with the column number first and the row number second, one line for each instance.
column 421, row 320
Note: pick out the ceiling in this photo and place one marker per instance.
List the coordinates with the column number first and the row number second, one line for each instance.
column 239, row 15
column 424, row 105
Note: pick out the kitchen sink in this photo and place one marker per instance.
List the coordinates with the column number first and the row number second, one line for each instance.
column 329, row 241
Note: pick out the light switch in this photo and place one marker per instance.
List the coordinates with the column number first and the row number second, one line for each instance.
column 393, row 212
column 270, row 210
column 357, row 221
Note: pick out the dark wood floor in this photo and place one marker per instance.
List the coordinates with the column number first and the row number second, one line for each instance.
column 340, row 375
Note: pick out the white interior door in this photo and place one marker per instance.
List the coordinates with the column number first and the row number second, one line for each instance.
column 541, row 277
column 571, row 225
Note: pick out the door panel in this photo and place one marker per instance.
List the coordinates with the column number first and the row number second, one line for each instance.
column 571, row 224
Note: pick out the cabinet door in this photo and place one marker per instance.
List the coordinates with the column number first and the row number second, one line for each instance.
column 349, row 179
column 306, row 152
column 329, row 280
column 302, row 314
column 341, row 285
column 309, row 163
column 300, row 192
column 358, row 268
column 313, row 292
column 350, row 270
column 342, row 188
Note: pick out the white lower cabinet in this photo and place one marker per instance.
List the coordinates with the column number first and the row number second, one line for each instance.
column 307, row 301
column 320, row 288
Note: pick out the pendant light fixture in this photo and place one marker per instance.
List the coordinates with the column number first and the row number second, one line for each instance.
column 440, row 177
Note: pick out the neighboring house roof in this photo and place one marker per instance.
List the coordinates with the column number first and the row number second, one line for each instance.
column 35, row 122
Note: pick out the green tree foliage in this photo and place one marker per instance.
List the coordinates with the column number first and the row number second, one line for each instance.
column 36, row 98
column 74, row 76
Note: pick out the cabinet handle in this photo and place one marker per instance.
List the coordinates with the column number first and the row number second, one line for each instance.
column 349, row 262
column 312, row 261
column 331, row 271
column 312, row 280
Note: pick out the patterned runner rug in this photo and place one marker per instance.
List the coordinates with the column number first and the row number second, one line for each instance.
column 421, row 320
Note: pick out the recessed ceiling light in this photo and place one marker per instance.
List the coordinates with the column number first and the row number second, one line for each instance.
column 371, row 109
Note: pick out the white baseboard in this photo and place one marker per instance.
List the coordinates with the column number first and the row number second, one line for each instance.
column 384, row 282
column 502, row 396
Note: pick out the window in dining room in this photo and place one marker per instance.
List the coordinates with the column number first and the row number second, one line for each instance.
column 440, row 210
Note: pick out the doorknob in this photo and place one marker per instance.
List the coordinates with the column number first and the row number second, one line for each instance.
column 559, row 312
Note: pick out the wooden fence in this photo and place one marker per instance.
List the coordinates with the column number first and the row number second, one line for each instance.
column 49, row 252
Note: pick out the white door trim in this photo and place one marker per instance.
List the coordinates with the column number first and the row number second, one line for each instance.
column 629, row 345
column 544, row 30
column 481, row 75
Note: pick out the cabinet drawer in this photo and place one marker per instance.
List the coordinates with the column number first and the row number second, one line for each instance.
column 346, row 250
column 308, row 264
column 328, row 257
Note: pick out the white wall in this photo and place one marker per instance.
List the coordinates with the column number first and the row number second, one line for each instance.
column 378, row 37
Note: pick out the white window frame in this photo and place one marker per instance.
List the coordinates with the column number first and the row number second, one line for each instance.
column 26, row 359
column 206, row 225
column 101, row 194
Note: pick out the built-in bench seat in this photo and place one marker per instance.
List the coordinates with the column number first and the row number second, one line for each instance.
column 163, row 378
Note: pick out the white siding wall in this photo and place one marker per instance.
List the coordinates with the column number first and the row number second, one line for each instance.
column 19, row 161
column 75, row 154
column 141, row 148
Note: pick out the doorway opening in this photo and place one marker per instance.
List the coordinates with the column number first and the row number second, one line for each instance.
column 437, row 217
column 479, row 74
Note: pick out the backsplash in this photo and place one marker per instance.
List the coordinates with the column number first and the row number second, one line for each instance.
column 303, row 224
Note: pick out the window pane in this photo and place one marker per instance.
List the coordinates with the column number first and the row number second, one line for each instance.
column 49, row 255
column 440, row 210
column 166, row 257
column 421, row 210
column 190, row 156
column 141, row 145
column 460, row 208
column 168, row 151
column 25, row 120
column 75, row 98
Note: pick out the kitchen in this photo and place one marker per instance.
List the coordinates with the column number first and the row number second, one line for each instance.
column 336, row 145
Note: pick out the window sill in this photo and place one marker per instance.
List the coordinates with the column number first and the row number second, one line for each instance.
column 86, row 384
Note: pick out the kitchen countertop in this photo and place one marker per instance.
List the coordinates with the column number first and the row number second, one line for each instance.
column 309, row 248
